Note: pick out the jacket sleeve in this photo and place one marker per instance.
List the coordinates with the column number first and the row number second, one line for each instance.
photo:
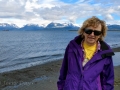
column 107, row 75
column 63, row 71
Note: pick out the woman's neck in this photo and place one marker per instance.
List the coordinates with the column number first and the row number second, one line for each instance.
column 89, row 45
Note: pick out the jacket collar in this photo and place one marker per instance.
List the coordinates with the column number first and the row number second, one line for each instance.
column 105, row 48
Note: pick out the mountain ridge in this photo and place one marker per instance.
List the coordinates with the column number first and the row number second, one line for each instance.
column 52, row 25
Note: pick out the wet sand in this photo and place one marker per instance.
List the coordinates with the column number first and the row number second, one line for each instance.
column 40, row 77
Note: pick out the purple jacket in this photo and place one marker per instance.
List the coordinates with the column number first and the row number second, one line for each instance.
column 97, row 74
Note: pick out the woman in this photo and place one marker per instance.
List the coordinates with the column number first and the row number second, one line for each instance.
column 87, row 63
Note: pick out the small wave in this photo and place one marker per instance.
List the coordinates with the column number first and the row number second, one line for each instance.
column 115, row 45
column 3, row 60
column 57, row 55
column 40, row 57
column 20, row 63
column 37, row 57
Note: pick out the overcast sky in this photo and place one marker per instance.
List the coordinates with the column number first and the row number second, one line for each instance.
column 21, row 12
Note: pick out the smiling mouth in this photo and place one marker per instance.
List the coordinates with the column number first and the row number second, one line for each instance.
column 91, row 38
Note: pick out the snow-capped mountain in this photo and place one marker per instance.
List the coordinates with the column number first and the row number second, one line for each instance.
column 113, row 27
column 57, row 26
column 32, row 27
column 6, row 26
column 60, row 25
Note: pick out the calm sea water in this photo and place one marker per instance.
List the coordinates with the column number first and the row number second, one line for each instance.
column 21, row 49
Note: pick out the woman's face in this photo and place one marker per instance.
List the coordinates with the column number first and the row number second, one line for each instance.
column 91, row 37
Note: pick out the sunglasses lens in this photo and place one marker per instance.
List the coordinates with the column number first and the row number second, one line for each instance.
column 89, row 31
column 97, row 33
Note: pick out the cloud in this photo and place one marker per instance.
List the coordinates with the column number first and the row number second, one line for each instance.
column 108, row 17
column 64, row 11
column 45, row 11
column 11, row 6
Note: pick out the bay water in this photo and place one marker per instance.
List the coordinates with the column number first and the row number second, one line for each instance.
column 21, row 49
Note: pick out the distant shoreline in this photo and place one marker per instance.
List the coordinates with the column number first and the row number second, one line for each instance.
column 52, row 29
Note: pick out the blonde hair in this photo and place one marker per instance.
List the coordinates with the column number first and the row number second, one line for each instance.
column 94, row 21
